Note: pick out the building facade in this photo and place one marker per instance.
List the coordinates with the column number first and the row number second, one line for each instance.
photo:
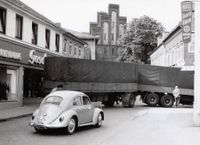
column 26, row 38
column 109, row 27
column 171, row 51
column 91, row 41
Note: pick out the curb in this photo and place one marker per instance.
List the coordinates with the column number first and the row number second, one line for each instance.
column 15, row 117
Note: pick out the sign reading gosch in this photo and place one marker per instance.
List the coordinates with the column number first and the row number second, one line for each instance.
column 187, row 10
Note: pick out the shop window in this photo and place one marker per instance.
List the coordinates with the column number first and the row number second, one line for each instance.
column 19, row 26
column 34, row 33
column 2, row 20
column 8, row 84
column 47, row 38
column 57, row 42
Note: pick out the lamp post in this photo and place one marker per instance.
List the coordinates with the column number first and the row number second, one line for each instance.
column 196, row 106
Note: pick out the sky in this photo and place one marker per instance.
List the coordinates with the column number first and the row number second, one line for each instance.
column 77, row 14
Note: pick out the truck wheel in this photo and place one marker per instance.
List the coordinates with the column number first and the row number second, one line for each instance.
column 152, row 99
column 128, row 100
column 167, row 101
column 111, row 100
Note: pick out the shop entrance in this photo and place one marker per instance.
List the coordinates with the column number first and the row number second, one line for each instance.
column 33, row 80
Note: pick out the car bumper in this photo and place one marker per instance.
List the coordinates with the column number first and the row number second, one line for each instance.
column 42, row 126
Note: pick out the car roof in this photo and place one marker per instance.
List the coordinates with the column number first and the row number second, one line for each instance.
column 66, row 93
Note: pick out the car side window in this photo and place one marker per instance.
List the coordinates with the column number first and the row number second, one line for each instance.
column 77, row 101
column 86, row 100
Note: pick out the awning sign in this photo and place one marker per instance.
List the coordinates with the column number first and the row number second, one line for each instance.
column 187, row 10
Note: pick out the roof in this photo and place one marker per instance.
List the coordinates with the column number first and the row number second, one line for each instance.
column 28, row 9
column 31, row 11
column 66, row 93
column 178, row 27
column 82, row 35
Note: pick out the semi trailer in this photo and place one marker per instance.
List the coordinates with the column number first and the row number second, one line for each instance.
column 108, row 82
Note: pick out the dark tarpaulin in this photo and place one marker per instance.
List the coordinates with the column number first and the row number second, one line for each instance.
column 81, row 70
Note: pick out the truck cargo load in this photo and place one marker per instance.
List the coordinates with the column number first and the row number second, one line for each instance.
column 111, row 81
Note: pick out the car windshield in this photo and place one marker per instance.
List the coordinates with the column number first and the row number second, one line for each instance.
column 53, row 100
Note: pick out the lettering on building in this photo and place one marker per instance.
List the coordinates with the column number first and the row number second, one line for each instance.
column 35, row 59
column 10, row 54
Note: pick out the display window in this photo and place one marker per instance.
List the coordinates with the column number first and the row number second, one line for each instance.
column 8, row 83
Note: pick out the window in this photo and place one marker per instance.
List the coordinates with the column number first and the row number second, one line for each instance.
column 86, row 100
column 2, row 20
column 34, row 33
column 65, row 47
column 77, row 101
column 19, row 26
column 79, row 51
column 57, row 42
column 56, row 100
column 70, row 47
column 112, row 37
column 113, row 51
column 75, row 50
column 47, row 38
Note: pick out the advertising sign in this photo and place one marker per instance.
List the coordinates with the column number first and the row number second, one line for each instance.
column 187, row 10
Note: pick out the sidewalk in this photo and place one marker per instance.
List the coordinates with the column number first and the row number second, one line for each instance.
column 30, row 105
column 158, row 126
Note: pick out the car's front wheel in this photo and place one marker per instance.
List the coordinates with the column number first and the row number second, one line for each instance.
column 99, row 120
column 71, row 127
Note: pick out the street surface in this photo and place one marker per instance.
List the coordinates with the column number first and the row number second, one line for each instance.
column 140, row 125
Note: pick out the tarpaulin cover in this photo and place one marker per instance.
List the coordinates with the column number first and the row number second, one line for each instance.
column 165, row 76
column 81, row 70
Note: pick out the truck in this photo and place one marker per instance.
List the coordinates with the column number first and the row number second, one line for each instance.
column 111, row 82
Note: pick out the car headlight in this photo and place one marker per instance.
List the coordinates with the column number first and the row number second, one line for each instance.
column 61, row 118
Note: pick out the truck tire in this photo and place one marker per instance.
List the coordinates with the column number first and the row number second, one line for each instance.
column 167, row 101
column 152, row 99
column 128, row 100
column 110, row 102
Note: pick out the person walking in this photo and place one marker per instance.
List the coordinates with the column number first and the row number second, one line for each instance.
column 176, row 93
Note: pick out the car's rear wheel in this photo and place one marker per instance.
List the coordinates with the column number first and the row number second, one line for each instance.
column 71, row 127
column 99, row 120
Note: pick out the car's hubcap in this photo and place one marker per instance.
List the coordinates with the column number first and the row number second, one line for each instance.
column 71, row 125
column 99, row 119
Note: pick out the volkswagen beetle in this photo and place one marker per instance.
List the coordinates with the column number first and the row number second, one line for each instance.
column 68, row 110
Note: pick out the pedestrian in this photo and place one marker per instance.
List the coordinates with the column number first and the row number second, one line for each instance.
column 176, row 93
column 4, row 89
column 57, row 88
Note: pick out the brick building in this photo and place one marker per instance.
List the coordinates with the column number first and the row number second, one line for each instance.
column 109, row 27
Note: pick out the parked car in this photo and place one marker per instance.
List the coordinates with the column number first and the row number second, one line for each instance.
column 68, row 110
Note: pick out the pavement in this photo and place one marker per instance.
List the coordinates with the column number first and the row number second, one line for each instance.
column 29, row 106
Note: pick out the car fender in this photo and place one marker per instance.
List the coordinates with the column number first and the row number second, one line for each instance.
column 67, row 115
column 96, row 113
